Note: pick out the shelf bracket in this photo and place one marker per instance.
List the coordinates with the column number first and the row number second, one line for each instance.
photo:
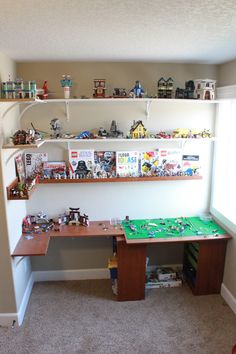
column 68, row 145
column 148, row 104
column 28, row 107
column 67, row 111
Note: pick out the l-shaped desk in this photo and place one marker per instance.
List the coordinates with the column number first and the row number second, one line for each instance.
column 132, row 256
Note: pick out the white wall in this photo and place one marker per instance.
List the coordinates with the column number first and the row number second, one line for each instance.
column 14, row 275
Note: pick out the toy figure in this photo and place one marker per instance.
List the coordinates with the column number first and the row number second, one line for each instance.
column 56, row 128
column 119, row 93
column 99, row 90
column 137, row 91
column 114, row 132
column 66, row 83
column 85, row 135
column 102, row 132
column 74, row 216
column 22, row 137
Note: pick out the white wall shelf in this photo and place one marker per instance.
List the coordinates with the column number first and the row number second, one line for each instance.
column 107, row 140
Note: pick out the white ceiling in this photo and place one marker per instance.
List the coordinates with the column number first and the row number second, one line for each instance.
column 189, row 31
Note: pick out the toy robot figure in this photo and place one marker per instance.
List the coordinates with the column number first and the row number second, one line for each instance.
column 56, row 128
column 137, row 91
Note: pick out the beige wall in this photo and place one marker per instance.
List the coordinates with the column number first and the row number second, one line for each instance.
column 116, row 74
column 226, row 74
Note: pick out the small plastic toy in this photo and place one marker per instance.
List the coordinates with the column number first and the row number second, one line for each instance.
column 188, row 92
column 138, row 131
column 114, row 132
column 205, row 89
column 119, row 93
column 163, row 135
column 18, row 89
column 137, row 91
column 42, row 93
column 99, row 90
column 56, row 128
column 165, row 87
column 66, row 83
column 75, row 218
column 84, row 135
column 22, row 137
column 102, row 133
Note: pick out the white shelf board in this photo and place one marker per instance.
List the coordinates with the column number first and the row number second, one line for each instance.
column 122, row 140
column 108, row 140
column 118, row 100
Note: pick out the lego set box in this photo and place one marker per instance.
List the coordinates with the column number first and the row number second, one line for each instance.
column 163, row 277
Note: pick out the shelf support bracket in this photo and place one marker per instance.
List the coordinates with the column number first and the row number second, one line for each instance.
column 148, row 104
column 28, row 107
column 67, row 111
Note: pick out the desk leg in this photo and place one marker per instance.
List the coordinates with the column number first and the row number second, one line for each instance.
column 210, row 267
column 131, row 271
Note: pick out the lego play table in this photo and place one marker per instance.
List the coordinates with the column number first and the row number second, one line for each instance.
column 171, row 229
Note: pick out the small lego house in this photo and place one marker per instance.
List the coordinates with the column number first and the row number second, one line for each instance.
column 138, row 131
column 205, row 89
column 165, row 87
column 189, row 89
column 99, row 90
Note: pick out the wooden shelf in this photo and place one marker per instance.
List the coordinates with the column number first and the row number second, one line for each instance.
column 120, row 179
column 94, row 180
column 24, row 197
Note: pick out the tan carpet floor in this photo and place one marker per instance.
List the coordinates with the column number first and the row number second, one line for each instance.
column 82, row 317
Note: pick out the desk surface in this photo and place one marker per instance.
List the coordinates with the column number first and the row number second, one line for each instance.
column 37, row 245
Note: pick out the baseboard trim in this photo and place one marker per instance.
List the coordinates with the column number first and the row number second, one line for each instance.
column 71, row 274
column 7, row 319
column 228, row 297
column 25, row 300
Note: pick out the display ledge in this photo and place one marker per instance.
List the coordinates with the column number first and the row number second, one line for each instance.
column 119, row 179
column 105, row 140
column 26, row 196
column 94, row 180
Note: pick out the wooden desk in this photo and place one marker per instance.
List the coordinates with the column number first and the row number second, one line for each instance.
column 132, row 257
column 38, row 245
